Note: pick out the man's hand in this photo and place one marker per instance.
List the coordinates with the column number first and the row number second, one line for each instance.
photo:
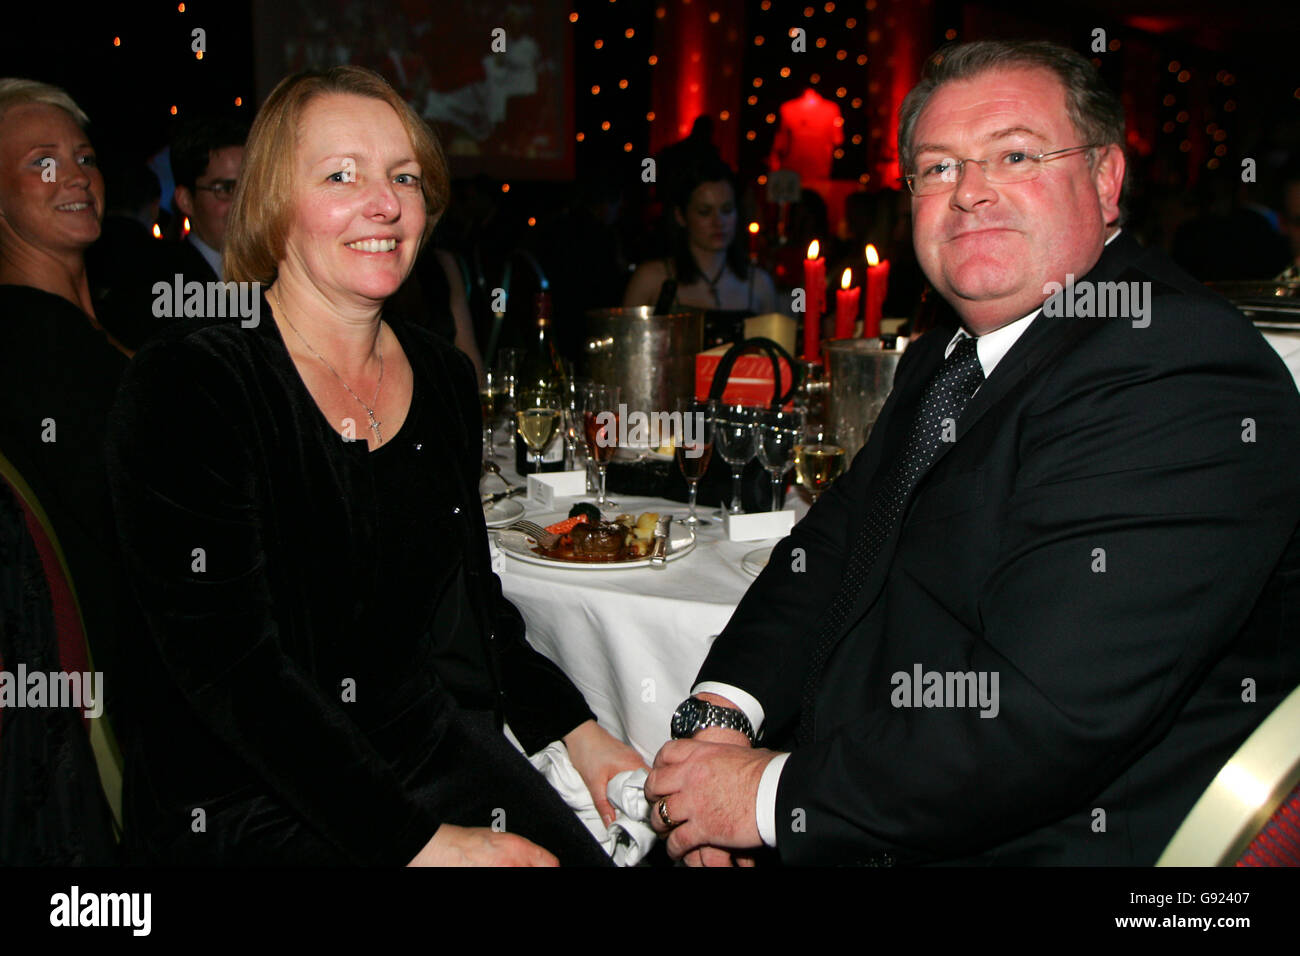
column 479, row 846
column 711, row 791
column 598, row 756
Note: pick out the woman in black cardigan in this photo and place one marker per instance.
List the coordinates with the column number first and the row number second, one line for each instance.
column 297, row 495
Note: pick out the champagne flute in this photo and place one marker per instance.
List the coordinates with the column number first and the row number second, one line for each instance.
column 818, row 460
column 574, row 425
column 600, row 410
column 507, row 367
column 779, row 432
column 538, row 419
column 492, row 400
column 694, row 448
column 733, row 436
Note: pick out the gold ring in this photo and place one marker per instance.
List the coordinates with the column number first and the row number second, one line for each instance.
column 663, row 814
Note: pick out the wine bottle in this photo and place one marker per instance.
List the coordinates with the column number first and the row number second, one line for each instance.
column 541, row 369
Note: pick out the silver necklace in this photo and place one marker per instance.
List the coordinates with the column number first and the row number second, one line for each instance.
column 370, row 410
column 713, row 283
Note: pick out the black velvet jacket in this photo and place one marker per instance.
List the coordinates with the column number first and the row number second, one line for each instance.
column 250, row 529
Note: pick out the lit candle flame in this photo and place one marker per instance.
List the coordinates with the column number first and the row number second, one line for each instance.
column 753, row 229
column 185, row 226
column 814, row 249
column 846, row 279
column 157, row 233
column 873, row 258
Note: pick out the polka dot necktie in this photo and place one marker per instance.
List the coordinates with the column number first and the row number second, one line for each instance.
column 935, row 422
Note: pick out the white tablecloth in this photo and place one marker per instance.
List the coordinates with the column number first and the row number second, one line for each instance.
column 1287, row 345
column 632, row 640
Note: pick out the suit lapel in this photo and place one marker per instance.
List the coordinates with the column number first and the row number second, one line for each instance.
column 1041, row 344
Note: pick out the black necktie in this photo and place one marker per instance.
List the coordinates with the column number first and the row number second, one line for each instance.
column 945, row 396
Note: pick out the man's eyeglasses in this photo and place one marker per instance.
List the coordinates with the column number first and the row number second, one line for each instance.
column 222, row 188
column 1008, row 166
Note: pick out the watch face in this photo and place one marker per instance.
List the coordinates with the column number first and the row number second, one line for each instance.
column 687, row 717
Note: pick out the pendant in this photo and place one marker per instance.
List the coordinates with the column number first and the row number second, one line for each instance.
column 374, row 427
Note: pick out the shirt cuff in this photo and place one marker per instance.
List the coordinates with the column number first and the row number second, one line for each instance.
column 765, row 810
column 748, row 705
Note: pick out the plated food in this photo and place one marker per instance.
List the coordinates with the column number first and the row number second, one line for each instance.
column 588, row 542
column 586, row 537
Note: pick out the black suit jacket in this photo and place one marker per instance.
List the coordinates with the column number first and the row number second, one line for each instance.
column 1169, row 456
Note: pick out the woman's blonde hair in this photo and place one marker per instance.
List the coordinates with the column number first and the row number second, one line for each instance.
column 15, row 91
column 259, row 216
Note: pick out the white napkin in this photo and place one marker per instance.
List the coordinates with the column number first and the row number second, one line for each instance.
column 630, row 836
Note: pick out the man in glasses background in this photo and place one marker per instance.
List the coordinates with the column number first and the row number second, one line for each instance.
column 206, row 154
column 127, row 263
column 1048, row 601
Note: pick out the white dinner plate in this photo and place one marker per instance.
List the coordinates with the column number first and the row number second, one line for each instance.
column 501, row 513
column 756, row 561
column 519, row 546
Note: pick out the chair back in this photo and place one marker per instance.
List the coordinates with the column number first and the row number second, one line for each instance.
column 74, row 654
column 1250, row 813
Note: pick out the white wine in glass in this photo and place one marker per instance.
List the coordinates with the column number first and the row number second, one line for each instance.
column 818, row 465
column 538, row 420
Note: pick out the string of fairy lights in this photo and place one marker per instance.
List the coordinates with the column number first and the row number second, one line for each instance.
column 841, row 38
column 845, row 52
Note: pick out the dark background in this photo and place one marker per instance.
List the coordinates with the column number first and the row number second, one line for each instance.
column 1205, row 85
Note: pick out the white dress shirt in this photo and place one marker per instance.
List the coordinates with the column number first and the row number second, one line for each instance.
column 991, row 347
column 207, row 252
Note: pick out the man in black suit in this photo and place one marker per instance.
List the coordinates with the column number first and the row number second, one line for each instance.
column 1049, row 599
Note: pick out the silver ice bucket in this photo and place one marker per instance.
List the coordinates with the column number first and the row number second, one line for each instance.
column 650, row 357
column 861, row 376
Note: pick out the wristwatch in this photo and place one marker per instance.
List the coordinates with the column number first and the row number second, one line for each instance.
column 693, row 715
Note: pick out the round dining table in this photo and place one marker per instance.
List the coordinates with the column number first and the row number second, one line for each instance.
column 632, row 639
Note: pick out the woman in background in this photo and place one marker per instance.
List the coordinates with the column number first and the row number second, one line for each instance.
column 58, row 375
column 709, row 268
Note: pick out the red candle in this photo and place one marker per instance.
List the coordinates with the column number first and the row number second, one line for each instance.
column 753, row 241
column 877, row 287
column 846, row 306
column 814, row 284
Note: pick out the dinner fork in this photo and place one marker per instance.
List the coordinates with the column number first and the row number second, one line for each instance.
column 535, row 531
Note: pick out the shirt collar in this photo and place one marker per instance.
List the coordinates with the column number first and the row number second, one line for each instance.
column 207, row 252
column 993, row 346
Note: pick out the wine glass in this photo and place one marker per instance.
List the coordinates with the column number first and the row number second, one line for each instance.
column 507, row 367
column 600, row 410
column 694, row 447
column 492, row 399
column 818, row 460
column 538, row 419
column 778, row 434
column 733, row 436
column 574, row 428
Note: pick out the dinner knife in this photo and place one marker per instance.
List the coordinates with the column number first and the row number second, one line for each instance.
column 493, row 499
column 659, row 553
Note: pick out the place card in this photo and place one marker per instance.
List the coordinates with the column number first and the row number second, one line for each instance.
column 758, row 526
column 551, row 485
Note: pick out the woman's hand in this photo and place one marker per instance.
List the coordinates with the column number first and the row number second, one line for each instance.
column 479, row 846
column 598, row 757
